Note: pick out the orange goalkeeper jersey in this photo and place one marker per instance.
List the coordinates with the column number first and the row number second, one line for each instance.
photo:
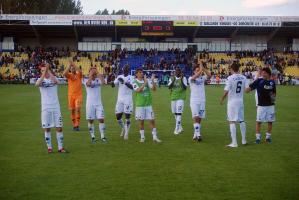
column 74, row 84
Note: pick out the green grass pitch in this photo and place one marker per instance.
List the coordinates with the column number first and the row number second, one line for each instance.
column 178, row 168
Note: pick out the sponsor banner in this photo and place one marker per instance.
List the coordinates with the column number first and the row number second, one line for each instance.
column 183, row 20
column 222, row 81
column 157, row 33
column 51, row 22
column 185, row 23
column 128, row 23
column 62, row 81
column 93, row 23
column 242, row 23
column 295, row 81
column 213, row 81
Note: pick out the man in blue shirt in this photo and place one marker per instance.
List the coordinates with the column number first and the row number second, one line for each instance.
column 266, row 93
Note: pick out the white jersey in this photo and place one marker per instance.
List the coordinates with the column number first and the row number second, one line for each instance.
column 197, row 88
column 93, row 92
column 235, row 85
column 49, row 97
column 124, row 93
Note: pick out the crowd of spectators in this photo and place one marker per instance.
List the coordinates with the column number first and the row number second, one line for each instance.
column 152, row 60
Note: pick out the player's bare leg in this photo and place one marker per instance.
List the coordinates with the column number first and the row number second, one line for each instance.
column 48, row 139
column 91, row 131
column 197, row 126
column 154, row 131
column 268, row 134
column 233, row 134
column 59, row 137
column 121, row 123
column 258, row 132
column 102, row 129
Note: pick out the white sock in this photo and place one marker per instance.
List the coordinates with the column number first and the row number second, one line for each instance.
column 127, row 126
column 233, row 133
column 196, row 129
column 258, row 136
column 48, row 139
column 59, row 137
column 154, row 133
column 268, row 135
column 102, row 129
column 91, row 129
column 121, row 123
column 142, row 134
column 243, row 131
column 178, row 122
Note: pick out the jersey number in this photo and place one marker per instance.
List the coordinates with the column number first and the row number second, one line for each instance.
column 238, row 89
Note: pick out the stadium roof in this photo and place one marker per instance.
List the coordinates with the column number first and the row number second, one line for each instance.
column 117, row 26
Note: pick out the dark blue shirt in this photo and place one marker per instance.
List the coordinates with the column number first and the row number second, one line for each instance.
column 266, row 91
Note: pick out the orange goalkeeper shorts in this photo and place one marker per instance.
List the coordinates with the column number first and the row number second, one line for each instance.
column 75, row 101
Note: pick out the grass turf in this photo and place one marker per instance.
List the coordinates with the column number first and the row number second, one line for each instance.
column 176, row 169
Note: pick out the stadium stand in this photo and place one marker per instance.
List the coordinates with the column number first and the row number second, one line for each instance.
column 110, row 42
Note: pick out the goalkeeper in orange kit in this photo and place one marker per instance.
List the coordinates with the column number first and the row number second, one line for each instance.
column 74, row 77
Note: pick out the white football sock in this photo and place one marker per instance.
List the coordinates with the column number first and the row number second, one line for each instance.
column 268, row 135
column 91, row 129
column 154, row 133
column 178, row 122
column 233, row 133
column 127, row 126
column 196, row 129
column 59, row 137
column 243, row 131
column 48, row 139
column 258, row 136
column 142, row 134
column 121, row 123
column 102, row 129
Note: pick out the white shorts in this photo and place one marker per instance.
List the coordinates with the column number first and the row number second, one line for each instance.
column 124, row 107
column 198, row 109
column 94, row 112
column 177, row 106
column 235, row 113
column 265, row 114
column 144, row 113
column 51, row 117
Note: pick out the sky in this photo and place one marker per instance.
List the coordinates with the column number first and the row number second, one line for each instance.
column 197, row 7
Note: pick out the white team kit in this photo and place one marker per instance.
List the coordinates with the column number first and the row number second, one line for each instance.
column 235, row 85
column 94, row 106
column 124, row 102
column 198, row 97
column 50, row 115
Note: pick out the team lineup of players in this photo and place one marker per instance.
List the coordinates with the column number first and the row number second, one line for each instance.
column 234, row 89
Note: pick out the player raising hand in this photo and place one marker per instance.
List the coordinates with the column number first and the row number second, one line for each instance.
column 144, row 111
column 198, row 97
column 94, row 106
column 124, row 100
column 177, row 85
column 74, row 79
column 51, row 115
